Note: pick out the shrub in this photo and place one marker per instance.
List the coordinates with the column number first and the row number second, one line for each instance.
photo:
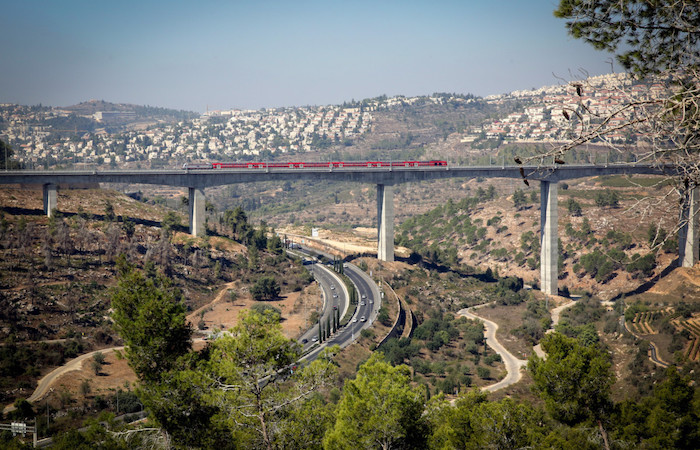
column 265, row 288
column 263, row 309
column 642, row 265
column 483, row 373
column 383, row 317
column 607, row 198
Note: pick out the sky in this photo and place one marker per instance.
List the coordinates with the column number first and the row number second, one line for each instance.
column 215, row 54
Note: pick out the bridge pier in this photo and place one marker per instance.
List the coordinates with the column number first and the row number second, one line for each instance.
column 197, row 200
column 688, row 244
column 549, row 252
column 50, row 198
column 385, row 222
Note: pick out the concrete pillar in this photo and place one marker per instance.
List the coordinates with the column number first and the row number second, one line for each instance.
column 50, row 198
column 385, row 222
column 549, row 237
column 197, row 200
column 688, row 234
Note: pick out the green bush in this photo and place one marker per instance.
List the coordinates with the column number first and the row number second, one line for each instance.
column 265, row 288
column 483, row 373
column 263, row 309
column 642, row 265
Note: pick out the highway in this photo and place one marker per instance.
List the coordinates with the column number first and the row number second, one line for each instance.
column 326, row 278
column 335, row 295
column 367, row 308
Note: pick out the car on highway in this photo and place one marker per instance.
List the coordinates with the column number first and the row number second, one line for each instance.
column 362, row 319
column 304, row 341
column 354, row 319
column 362, row 303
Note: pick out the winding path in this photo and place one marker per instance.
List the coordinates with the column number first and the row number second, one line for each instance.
column 44, row 384
column 556, row 314
column 513, row 364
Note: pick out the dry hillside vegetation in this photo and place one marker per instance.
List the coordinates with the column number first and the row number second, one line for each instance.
column 56, row 275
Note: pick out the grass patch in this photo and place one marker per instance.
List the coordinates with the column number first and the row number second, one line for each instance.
column 623, row 181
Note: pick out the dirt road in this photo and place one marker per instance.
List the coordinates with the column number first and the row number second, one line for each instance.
column 44, row 384
column 556, row 313
column 513, row 364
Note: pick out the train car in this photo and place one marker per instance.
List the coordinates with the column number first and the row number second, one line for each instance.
column 188, row 166
column 311, row 165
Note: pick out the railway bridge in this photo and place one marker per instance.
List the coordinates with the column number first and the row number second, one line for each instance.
column 385, row 178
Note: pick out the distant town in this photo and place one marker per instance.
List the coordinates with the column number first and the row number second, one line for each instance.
column 117, row 138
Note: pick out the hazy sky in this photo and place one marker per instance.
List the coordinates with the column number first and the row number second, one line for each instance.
column 251, row 54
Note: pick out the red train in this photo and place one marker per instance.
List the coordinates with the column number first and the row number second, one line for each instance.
column 302, row 165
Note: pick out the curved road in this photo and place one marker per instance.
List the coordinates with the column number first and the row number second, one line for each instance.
column 653, row 350
column 335, row 295
column 44, row 383
column 370, row 296
column 367, row 289
column 556, row 313
column 513, row 364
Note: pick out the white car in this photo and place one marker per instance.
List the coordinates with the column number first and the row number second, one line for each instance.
column 362, row 303
column 362, row 319
column 354, row 319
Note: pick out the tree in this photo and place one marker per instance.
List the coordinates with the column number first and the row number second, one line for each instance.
column 170, row 221
column 237, row 220
column 6, row 153
column 666, row 419
column 274, row 244
column 574, row 207
column 109, row 211
column 98, row 360
column 607, row 198
column 656, row 41
column 649, row 36
column 379, row 408
column 150, row 316
column 247, row 376
column 519, row 199
column 574, row 380
column 265, row 288
column 476, row 423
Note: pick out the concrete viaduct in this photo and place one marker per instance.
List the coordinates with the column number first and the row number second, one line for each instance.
column 197, row 180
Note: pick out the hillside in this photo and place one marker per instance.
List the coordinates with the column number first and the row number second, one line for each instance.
column 56, row 275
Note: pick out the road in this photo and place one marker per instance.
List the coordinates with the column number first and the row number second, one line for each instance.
column 335, row 295
column 513, row 364
column 45, row 383
column 370, row 295
column 556, row 314
column 326, row 277
column 653, row 350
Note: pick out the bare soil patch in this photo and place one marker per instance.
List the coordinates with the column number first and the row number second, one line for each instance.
column 508, row 318
column 115, row 374
column 296, row 309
